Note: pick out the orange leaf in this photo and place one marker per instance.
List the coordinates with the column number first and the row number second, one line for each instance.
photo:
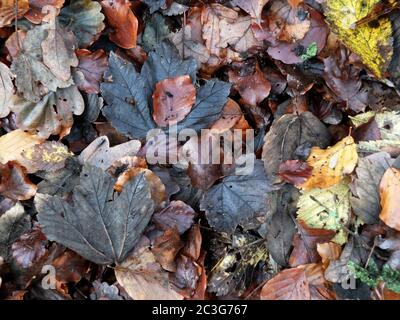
column 389, row 193
column 122, row 19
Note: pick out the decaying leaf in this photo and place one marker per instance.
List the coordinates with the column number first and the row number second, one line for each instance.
column 13, row 223
column 6, row 89
column 120, row 17
column 373, row 43
column 288, row 136
column 326, row 209
column 14, row 182
column 173, row 100
column 389, row 189
column 330, row 166
column 235, row 201
column 252, row 7
column 142, row 277
column 8, row 10
column 365, row 200
column 36, row 14
column 305, row 282
column 100, row 154
column 116, row 221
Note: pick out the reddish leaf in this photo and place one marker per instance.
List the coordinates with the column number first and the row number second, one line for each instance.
column 30, row 248
column 165, row 249
column 305, row 244
column 177, row 215
column 14, row 182
column 367, row 131
column 90, row 70
column 172, row 100
column 253, row 88
column 120, row 17
column 295, row 172
column 192, row 246
column 35, row 14
column 70, row 267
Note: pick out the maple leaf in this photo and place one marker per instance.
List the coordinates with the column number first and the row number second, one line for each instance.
column 117, row 222
column 372, row 43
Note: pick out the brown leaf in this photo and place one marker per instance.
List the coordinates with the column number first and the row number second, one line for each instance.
column 177, row 215
column 173, row 100
column 35, row 14
column 328, row 251
column 302, row 283
column 367, row 131
column 193, row 243
column 30, row 248
column 90, row 69
column 389, row 192
column 231, row 114
column 14, row 182
column 70, row 267
column 165, row 249
column 253, row 88
column 143, row 278
column 7, row 11
column 252, row 7
column 295, row 171
column 305, row 244
column 120, row 17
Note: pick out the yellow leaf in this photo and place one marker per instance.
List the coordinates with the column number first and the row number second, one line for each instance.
column 389, row 193
column 373, row 43
column 331, row 165
column 326, row 209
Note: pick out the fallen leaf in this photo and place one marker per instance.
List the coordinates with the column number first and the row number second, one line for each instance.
column 372, row 43
column 70, row 267
column 177, row 215
column 49, row 156
column 326, row 209
column 36, row 14
column 294, row 171
column 100, row 154
column 6, row 89
column 166, row 248
column 252, row 7
column 328, row 251
column 8, row 10
column 13, row 223
column 287, row 135
column 116, row 234
column 330, row 166
column 389, row 188
column 14, row 182
column 305, row 244
column 365, row 200
column 302, row 283
column 14, row 143
column 235, row 201
column 253, row 88
column 143, row 278
column 173, row 100
column 104, row 291
column 84, row 19
column 90, row 70
column 30, row 248
column 120, row 17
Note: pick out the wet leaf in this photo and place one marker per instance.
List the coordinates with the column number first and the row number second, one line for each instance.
column 116, row 222
column 120, row 17
column 372, row 43
column 235, row 202
column 326, row 209
column 90, row 70
column 389, row 188
column 330, row 166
